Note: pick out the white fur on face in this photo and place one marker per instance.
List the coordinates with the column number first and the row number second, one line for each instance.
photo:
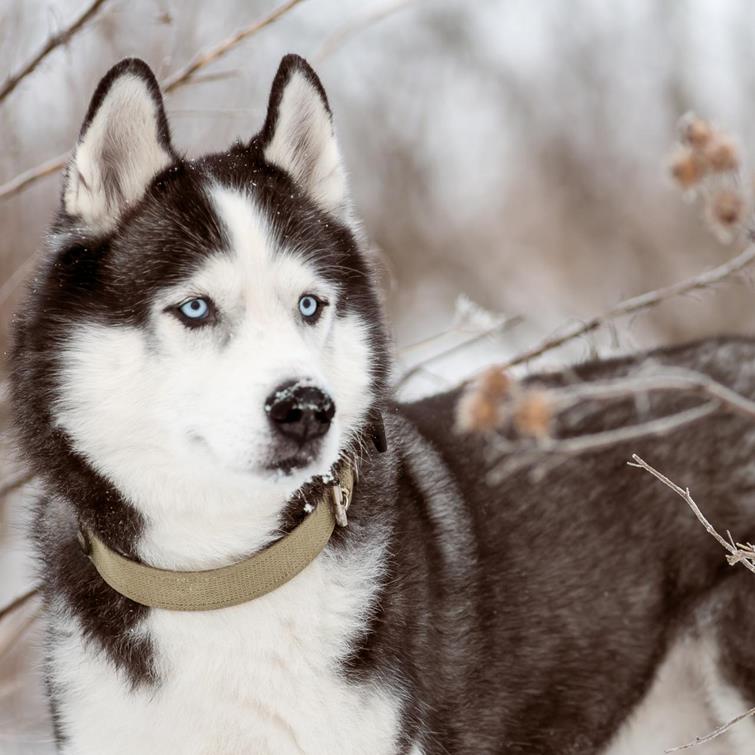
column 175, row 417
column 305, row 146
column 117, row 157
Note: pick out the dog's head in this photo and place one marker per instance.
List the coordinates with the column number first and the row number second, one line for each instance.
column 207, row 320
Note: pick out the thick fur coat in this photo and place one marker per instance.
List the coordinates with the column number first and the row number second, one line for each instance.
column 451, row 615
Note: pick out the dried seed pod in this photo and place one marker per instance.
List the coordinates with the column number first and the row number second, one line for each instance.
column 476, row 413
column 687, row 167
column 721, row 155
column 480, row 406
column 533, row 414
column 726, row 208
column 694, row 131
column 495, row 383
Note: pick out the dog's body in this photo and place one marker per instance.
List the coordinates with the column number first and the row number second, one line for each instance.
column 449, row 616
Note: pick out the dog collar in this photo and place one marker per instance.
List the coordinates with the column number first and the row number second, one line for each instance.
column 237, row 583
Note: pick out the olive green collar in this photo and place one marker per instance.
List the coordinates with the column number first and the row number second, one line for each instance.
column 237, row 583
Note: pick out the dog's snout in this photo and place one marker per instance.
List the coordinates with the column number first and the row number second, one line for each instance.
column 300, row 412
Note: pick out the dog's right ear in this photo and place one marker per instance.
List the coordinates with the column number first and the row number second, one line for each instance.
column 123, row 144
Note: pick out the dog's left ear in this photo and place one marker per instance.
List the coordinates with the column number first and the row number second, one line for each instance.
column 298, row 136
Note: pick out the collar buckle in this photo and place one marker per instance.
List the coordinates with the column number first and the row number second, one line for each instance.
column 341, row 499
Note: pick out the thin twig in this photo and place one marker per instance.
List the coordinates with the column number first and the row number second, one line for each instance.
column 14, row 483
column 715, row 733
column 499, row 327
column 18, row 633
column 638, row 303
column 18, row 602
column 182, row 77
column 526, row 451
column 673, row 380
column 179, row 79
column 521, row 454
column 341, row 36
column 736, row 555
column 53, row 42
column 28, row 177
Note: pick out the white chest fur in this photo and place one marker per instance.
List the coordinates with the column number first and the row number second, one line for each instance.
column 263, row 677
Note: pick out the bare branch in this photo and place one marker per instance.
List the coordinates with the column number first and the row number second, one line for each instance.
column 496, row 329
column 525, row 450
column 179, row 79
column 715, row 733
column 17, row 632
column 17, row 603
column 639, row 303
column 182, row 77
column 14, row 483
column 342, row 35
column 27, row 178
column 736, row 555
column 674, row 380
column 525, row 453
column 56, row 40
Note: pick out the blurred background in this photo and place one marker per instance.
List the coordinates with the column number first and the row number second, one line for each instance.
column 506, row 158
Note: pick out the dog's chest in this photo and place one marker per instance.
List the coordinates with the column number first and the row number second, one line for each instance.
column 263, row 677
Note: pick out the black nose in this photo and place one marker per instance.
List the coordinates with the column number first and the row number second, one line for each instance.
column 301, row 412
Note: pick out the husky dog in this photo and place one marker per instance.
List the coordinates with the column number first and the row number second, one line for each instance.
column 202, row 342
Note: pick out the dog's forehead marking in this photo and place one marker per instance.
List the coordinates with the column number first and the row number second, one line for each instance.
column 256, row 261
column 250, row 236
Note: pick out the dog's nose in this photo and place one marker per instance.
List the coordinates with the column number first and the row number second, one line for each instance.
column 300, row 412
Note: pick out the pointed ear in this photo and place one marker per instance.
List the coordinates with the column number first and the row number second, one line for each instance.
column 298, row 136
column 123, row 144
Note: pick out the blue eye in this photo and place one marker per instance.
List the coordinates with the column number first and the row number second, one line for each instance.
column 309, row 306
column 195, row 309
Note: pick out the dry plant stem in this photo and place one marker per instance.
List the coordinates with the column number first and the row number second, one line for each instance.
column 19, row 632
column 342, row 35
column 179, row 79
column 715, row 733
column 638, row 303
column 500, row 327
column 183, row 76
column 53, row 42
column 521, row 454
column 736, row 555
column 14, row 483
column 675, row 380
column 17, row 603
column 27, row 178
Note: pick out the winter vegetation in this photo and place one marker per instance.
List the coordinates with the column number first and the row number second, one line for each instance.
column 510, row 162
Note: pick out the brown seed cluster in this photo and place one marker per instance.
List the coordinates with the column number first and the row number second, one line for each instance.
column 533, row 414
column 494, row 401
column 706, row 163
column 479, row 408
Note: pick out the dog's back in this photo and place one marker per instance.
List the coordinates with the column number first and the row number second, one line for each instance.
column 586, row 571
